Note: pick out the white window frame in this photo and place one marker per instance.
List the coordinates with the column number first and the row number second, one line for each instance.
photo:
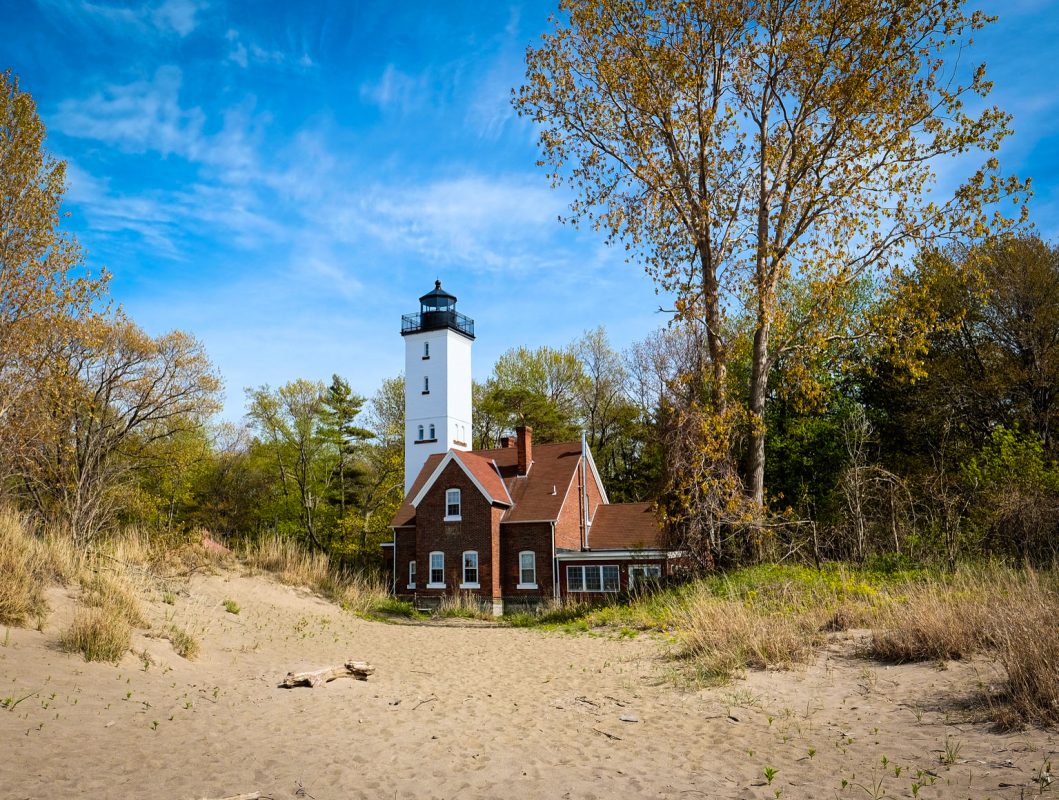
column 644, row 572
column 449, row 493
column 466, row 584
column 522, row 582
column 426, row 384
column 412, row 574
column 426, row 350
column 596, row 571
column 433, row 584
column 433, row 432
column 421, row 432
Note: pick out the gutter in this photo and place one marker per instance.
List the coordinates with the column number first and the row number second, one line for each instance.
column 555, row 567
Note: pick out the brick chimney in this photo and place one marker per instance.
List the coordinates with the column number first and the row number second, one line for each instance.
column 525, row 448
column 507, row 442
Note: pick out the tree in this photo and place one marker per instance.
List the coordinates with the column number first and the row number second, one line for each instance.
column 738, row 146
column 291, row 421
column 108, row 394
column 539, row 388
column 382, row 487
column 42, row 284
column 341, row 408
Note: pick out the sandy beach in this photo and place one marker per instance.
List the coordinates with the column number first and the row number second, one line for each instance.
column 472, row 710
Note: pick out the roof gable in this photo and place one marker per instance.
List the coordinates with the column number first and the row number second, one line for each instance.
column 483, row 473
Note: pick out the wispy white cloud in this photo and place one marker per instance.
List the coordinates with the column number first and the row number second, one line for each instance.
column 244, row 53
column 396, row 90
column 179, row 17
column 137, row 117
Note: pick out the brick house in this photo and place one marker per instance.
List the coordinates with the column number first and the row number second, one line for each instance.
column 515, row 525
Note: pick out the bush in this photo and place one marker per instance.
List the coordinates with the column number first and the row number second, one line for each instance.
column 231, row 606
column 99, row 634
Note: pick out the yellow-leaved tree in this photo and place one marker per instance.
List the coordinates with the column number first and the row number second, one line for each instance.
column 42, row 284
column 758, row 153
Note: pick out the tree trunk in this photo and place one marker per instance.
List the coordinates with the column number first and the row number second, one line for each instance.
column 718, row 354
column 756, row 456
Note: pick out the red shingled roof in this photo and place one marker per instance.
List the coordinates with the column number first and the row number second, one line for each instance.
column 531, row 495
column 485, row 472
column 625, row 526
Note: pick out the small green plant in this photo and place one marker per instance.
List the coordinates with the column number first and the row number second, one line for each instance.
column 231, row 606
column 812, row 752
column 184, row 643
column 915, row 789
column 154, row 725
column 770, row 774
column 952, row 751
column 169, row 598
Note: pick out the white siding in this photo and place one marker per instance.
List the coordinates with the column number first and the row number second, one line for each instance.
column 448, row 405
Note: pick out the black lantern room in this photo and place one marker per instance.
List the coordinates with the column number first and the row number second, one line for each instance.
column 437, row 311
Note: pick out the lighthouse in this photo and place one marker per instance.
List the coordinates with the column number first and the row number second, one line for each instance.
column 437, row 390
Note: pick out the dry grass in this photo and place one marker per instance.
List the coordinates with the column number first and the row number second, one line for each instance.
column 466, row 605
column 114, row 593
column 935, row 621
column 292, row 564
column 1007, row 613
column 722, row 636
column 1024, row 634
column 23, row 570
column 289, row 561
column 99, row 634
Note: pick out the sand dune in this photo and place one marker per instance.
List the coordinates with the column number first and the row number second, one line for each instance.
column 476, row 711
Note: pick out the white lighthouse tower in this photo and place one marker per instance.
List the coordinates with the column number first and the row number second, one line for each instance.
column 437, row 390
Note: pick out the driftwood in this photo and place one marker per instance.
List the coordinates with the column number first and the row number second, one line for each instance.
column 351, row 669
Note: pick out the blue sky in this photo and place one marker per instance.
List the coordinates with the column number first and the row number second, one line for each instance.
column 285, row 179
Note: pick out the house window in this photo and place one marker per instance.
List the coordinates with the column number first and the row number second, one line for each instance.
column 527, row 570
column 411, row 574
column 432, row 434
column 452, row 505
column 420, row 437
column 592, row 579
column 437, row 571
column 575, row 579
column 470, row 570
column 644, row 574
column 426, row 350
column 426, row 384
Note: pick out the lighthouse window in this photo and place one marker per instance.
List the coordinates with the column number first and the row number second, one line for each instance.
column 432, row 434
column 426, row 350
column 420, row 437
column 426, row 384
